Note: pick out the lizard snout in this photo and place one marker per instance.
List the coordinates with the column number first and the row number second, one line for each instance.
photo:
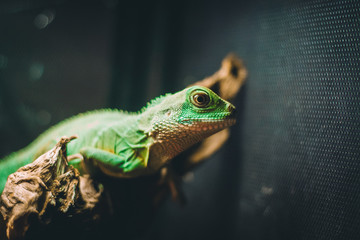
column 231, row 108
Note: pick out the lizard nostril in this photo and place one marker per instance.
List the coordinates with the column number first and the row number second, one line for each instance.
column 231, row 108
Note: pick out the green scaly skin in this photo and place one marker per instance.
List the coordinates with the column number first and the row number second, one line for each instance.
column 122, row 144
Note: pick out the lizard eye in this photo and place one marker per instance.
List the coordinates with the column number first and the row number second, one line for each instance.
column 200, row 99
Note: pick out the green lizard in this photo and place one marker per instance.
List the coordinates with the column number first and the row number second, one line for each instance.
column 122, row 144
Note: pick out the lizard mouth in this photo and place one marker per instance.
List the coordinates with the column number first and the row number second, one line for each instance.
column 214, row 124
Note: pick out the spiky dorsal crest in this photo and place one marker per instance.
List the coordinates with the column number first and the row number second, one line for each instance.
column 154, row 102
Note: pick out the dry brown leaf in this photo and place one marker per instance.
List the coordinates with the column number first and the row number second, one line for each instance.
column 44, row 188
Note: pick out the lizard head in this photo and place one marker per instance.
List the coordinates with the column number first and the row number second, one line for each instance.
column 177, row 121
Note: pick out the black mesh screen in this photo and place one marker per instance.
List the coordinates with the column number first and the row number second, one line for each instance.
column 292, row 170
column 301, row 133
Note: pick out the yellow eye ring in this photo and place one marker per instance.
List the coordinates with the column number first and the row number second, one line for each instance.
column 200, row 99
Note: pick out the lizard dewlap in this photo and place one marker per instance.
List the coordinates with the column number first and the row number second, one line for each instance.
column 122, row 144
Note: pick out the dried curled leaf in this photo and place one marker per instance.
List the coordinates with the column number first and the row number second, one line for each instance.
column 42, row 190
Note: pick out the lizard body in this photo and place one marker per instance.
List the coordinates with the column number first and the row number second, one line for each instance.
column 122, row 144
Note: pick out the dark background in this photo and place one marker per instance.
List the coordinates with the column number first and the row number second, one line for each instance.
column 291, row 169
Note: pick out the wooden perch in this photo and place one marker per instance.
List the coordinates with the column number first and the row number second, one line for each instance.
column 43, row 190
column 48, row 198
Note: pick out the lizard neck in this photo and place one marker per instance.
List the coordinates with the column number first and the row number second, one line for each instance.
column 171, row 139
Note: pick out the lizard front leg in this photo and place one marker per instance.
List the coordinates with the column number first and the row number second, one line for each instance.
column 95, row 161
